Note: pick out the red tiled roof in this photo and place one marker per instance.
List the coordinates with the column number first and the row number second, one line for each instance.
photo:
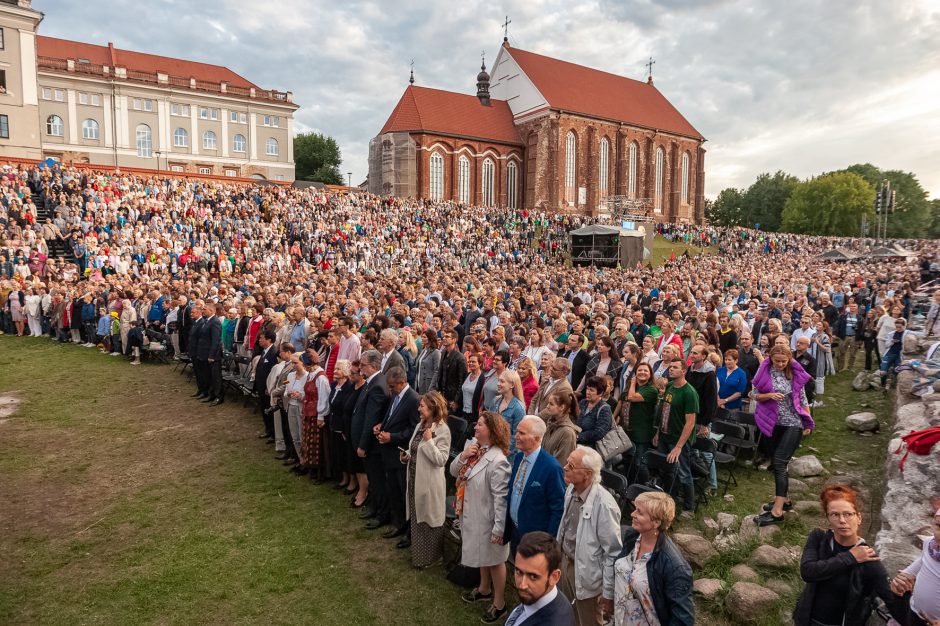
column 591, row 92
column 142, row 62
column 449, row 113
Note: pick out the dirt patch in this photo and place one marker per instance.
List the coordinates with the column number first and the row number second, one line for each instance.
column 9, row 402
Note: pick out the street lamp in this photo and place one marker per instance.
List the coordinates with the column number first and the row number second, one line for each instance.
column 349, row 178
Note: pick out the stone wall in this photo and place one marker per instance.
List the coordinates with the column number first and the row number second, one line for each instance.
column 911, row 496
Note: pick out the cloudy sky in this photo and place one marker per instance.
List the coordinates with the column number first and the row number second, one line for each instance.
column 803, row 86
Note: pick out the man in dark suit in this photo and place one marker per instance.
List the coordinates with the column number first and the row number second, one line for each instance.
column 184, row 322
column 537, row 572
column 577, row 359
column 386, row 344
column 210, row 353
column 536, row 496
column 370, row 409
column 758, row 327
column 192, row 348
column 453, row 370
column 393, row 433
column 266, row 362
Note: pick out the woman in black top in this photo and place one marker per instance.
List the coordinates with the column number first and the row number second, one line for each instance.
column 842, row 573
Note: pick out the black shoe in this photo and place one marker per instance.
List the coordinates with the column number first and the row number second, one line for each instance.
column 209, row 399
column 300, row 469
column 353, row 505
column 787, row 506
column 474, row 595
column 269, row 440
column 290, row 461
column 198, row 394
column 767, row 518
column 404, row 543
column 493, row 614
column 339, row 486
column 280, row 456
column 375, row 523
column 264, row 436
column 392, row 533
column 215, row 402
column 367, row 513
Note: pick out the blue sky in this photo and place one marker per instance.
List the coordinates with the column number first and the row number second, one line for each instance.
column 803, row 86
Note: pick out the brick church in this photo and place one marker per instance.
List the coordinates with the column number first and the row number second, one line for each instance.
column 543, row 134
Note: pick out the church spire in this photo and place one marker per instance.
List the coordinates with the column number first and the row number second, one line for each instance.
column 483, row 84
column 411, row 80
column 649, row 78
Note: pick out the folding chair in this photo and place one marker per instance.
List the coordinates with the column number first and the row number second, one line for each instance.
column 458, row 434
column 617, row 485
column 703, row 446
column 753, row 432
column 662, row 472
column 733, row 440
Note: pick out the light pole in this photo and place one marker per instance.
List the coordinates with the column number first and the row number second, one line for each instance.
column 349, row 178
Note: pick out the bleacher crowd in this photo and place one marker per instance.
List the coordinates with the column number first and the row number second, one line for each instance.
column 446, row 368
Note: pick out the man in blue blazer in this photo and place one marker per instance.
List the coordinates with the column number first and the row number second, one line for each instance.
column 536, row 486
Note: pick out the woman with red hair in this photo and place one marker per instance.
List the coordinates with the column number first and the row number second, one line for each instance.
column 843, row 574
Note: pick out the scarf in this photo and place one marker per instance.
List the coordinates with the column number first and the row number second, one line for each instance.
column 933, row 550
column 461, row 483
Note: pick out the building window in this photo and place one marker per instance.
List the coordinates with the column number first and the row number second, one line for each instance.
column 144, row 141
column 685, row 178
column 82, row 98
column 279, row 177
column 203, row 114
column 266, row 120
column 176, row 168
column 214, row 114
column 571, row 148
column 54, row 126
column 59, row 95
column 180, row 138
column 658, row 191
column 89, row 129
column 205, row 170
column 436, row 178
column 631, row 171
column 4, row 127
column 3, row 82
column 270, row 146
column 208, row 140
column 238, row 143
column 179, row 109
column 233, row 117
column 231, row 173
column 2, row 46
column 148, row 105
column 489, row 183
column 603, row 173
column 95, row 100
column 243, row 118
column 512, row 184
column 275, row 121
column 463, row 179
column 46, row 93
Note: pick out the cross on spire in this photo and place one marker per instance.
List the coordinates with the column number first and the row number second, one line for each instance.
column 483, row 59
column 411, row 80
column 649, row 66
column 506, row 28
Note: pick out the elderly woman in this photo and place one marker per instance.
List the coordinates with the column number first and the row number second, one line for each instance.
column 561, row 432
column 294, row 394
column 652, row 580
column 426, row 492
column 315, row 450
column 782, row 415
column 732, row 382
column 508, row 403
column 481, row 504
column 340, row 389
column 596, row 418
column 843, row 574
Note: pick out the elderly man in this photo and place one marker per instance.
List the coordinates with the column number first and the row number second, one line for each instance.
column 386, row 344
column 804, row 357
column 536, row 486
column 555, row 382
column 394, row 433
column 589, row 536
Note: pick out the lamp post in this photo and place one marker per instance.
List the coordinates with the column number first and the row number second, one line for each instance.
column 349, row 178
column 157, row 154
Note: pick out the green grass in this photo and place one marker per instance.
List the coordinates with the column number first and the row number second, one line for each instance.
column 127, row 502
column 663, row 249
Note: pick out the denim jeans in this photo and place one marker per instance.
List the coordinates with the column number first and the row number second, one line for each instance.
column 784, row 442
column 685, row 473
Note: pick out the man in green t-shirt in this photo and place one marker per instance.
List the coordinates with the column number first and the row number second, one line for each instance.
column 676, row 430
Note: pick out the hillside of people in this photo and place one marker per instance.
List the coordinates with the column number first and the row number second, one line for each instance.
column 493, row 411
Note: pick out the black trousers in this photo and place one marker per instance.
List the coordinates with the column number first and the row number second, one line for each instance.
column 396, row 482
column 201, row 371
column 378, row 490
column 267, row 417
column 214, row 371
column 784, row 442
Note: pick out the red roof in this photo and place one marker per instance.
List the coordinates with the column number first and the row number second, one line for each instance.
column 449, row 113
column 150, row 63
column 594, row 93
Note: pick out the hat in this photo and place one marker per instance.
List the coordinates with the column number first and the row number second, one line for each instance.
column 114, row 314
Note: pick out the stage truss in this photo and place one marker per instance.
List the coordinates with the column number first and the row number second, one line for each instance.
column 627, row 209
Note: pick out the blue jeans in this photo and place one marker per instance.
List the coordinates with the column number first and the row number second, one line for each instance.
column 685, row 473
column 890, row 361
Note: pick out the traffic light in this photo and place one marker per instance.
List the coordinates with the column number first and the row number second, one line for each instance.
column 878, row 202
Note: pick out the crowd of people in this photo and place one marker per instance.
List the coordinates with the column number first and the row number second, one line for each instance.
column 370, row 330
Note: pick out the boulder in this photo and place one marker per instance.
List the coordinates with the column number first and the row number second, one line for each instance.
column 750, row 530
column 726, row 540
column 750, row 602
column 862, row 422
column 779, row 587
column 803, row 466
column 697, row 550
column 798, row 486
column 711, row 528
column 744, row 572
column 708, row 588
column 808, row 507
column 728, row 520
column 860, row 382
column 769, row 556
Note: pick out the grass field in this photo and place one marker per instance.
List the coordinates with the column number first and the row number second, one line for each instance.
column 125, row 501
column 663, row 249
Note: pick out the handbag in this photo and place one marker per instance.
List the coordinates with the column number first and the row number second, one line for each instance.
column 613, row 443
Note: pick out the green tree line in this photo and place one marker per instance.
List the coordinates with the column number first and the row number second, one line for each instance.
column 834, row 203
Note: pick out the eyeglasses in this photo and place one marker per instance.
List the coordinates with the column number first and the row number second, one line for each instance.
column 835, row 515
column 569, row 466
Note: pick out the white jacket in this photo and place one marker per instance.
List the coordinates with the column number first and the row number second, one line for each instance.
column 597, row 543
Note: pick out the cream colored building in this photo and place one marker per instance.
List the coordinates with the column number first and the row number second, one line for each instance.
column 98, row 104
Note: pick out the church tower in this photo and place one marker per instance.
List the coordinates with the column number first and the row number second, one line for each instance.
column 483, row 86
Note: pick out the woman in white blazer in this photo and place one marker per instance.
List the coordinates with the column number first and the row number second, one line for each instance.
column 426, row 494
column 482, row 473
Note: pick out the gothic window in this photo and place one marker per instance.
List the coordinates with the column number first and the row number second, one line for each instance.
column 512, row 177
column 631, row 171
column 603, row 167
column 571, row 148
column 436, row 178
column 463, row 179
column 685, row 178
column 489, row 183
column 658, row 191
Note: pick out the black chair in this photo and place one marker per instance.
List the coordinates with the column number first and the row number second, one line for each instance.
column 734, row 439
column 617, row 485
column 458, row 434
column 754, row 435
column 662, row 472
column 700, row 472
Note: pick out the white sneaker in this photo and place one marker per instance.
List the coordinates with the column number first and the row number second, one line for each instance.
column 115, row 354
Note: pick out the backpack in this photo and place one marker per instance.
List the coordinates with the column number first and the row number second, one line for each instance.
column 919, row 442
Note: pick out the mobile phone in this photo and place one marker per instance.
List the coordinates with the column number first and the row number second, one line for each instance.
column 402, row 450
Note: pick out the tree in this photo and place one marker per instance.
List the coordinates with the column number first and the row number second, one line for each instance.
column 727, row 209
column 831, row 204
column 317, row 158
column 912, row 217
column 934, row 232
column 764, row 200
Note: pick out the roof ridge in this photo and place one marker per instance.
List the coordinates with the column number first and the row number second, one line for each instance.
column 587, row 67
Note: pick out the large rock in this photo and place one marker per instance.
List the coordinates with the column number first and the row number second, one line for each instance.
column 769, row 556
column 808, row 507
column 778, row 586
column 795, row 485
column 860, row 382
column 726, row 540
column 744, row 572
column 750, row 530
column 708, row 588
column 750, row 602
column 913, row 416
column 711, row 528
column 862, row 422
column 697, row 550
column 803, row 466
column 727, row 521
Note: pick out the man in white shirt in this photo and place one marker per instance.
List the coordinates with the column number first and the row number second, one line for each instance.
column 805, row 330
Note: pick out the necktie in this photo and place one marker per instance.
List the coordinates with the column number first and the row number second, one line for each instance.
column 517, row 488
column 394, row 405
column 514, row 616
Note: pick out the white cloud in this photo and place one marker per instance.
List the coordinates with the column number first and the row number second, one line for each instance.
column 801, row 86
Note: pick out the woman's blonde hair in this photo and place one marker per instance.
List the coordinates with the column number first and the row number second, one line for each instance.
column 659, row 506
column 516, row 383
